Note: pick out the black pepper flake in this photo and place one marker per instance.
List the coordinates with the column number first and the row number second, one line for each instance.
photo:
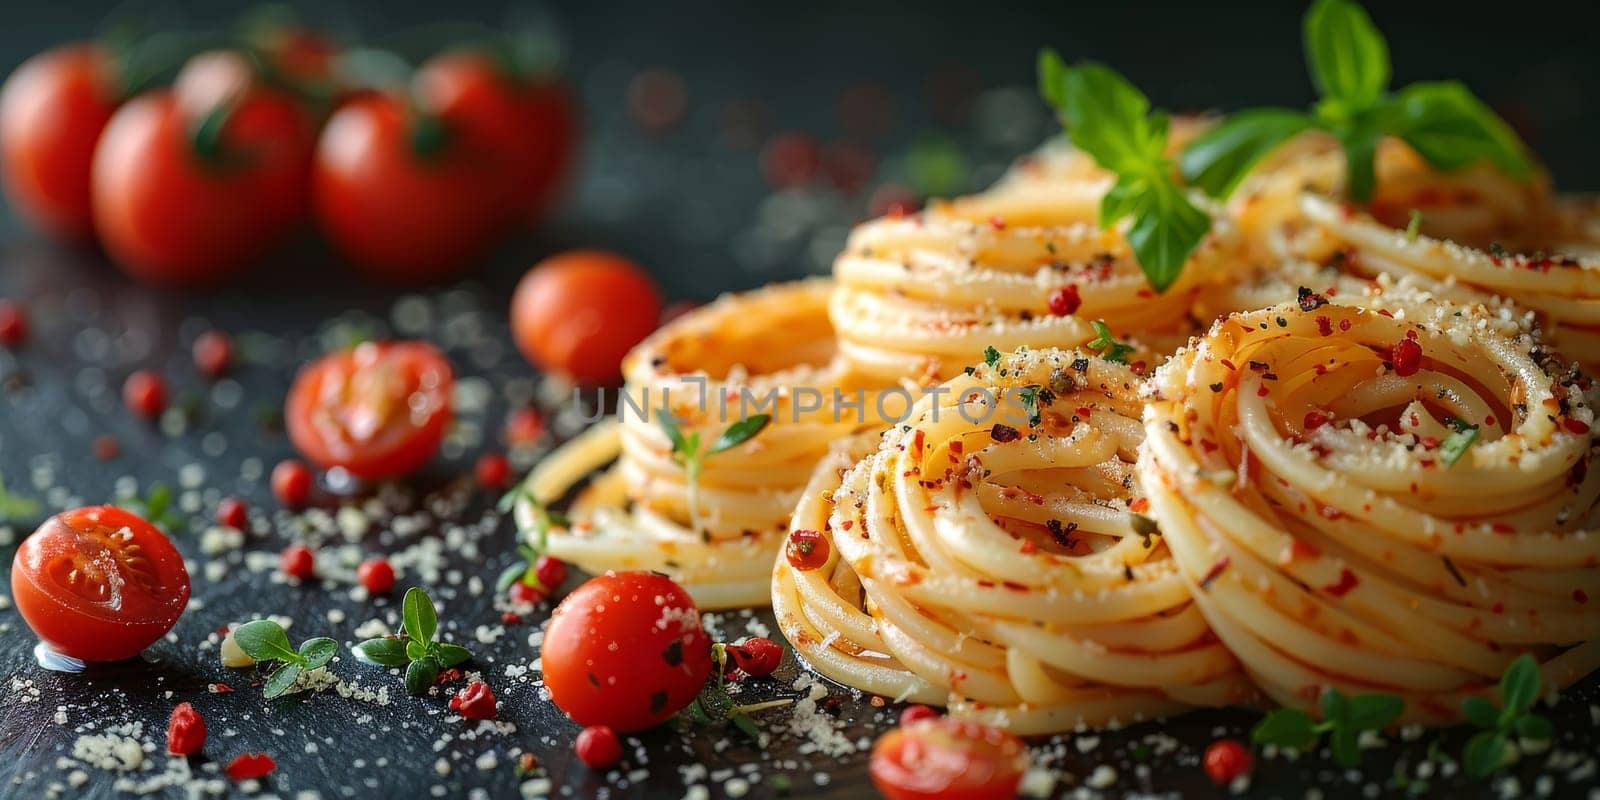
column 1080, row 365
column 1216, row 387
column 1062, row 383
column 1454, row 573
column 1061, row 533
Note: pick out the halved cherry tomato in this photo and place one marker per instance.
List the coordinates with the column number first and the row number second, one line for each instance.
column 400, row 195
column 99, row 583
column 191, row 184
column 52, row 111
column 580, row 312
column 527, row 124
column 941, row 758
column 379, row 410
column 625, row 649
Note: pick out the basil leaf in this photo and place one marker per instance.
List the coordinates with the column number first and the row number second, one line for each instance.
column 384, row 652
column 1219, row 159
column 264, row 640
column 421, row 620
column 1484, row 754
column 318, row 652
column 1125, row 197
column 1347, row 56
column 739, row 432
column 1360, row 142
column 450, row 655
column 1345, row 746
column 1480, row 712
column 1452, row 129
column 280, row 681
column 421, row 674
column 1285, row 727
column 1535, row 727
column 1166, row 231
column 1519, row 686
column 1105, row 116
column 1371, row 712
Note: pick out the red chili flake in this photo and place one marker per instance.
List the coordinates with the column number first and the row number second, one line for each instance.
column 1139, row 504
column 249, row 766
column 1347, row 581
column 1004, row 433
column 1317, row 418
column 145, row 394
column 1344, row 325
column 1208, row 445
column 1028, row 548
column 998, row 223
column 1065, row 300
column 1502, row 528
column 1138, row 367
column 1575, row 426
column 1299, row 550
column 1407, row 357
column 1489, row 420
column 492, row 471
column 1083, row 412
column 1429, row 442
column 916, row 713
column 474, row 702
column 186, row 731
column 1229, row 364
column 221, row 688
column 1580, row 597
column 450, row 675
column 1216, row 569
column 1309, row 300
column 1261, row 391
column 1014, row 586
column 1498, row 608
column 1324, row 326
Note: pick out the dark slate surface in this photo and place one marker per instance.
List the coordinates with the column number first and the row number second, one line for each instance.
column 691, row 205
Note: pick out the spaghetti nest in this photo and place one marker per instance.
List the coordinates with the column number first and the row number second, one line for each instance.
column 1394, row 498
column 1023, row 264
column 769, row 351
column 988, row 555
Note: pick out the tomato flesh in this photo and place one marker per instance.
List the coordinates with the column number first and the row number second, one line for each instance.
column 99, row 583
column 52, row 111
column 947, row 759
column 626, row 650
column 379, row 410
column 579, row 313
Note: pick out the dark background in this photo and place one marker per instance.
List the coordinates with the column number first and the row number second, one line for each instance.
column 691, row 204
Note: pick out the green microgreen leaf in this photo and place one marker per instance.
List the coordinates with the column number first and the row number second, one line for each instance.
column 265, row 640
column 318, row 652
column 669, row 426
column 1480, row 712
column 739, row 432
column 421, row 675
column 1285, row 727
column 1520, row 685
column 1110, row 349
column 416, row 649
column 450, row 655
column 421, row 620
column 1033, row 399
column 1111, row 120
column 1344, row 742
column 386, row 652
column 280, row 680
column 1372, row 712
column 1485, row 753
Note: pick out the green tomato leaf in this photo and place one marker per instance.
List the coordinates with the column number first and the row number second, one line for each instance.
column 421, row 674
column 1166, row 232
column 318, row 652
column 421, row 620
column 1285, row 727
column 1371, row 712
column 739, row 432
column 383, row 652
column 1452, row 129
column 1535, row 727
column 265, row 640
column 1480, row 712
column 450, row 655
column 1347, row 56
column 1520, row 686
column 1219, row 159
column 1484, row 754
column 280, row 681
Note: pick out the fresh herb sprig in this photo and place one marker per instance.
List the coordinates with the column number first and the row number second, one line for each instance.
column 15, row 507
column 717, row 705
column 1343, row 718
column 1111, row 120
column 155, row 507
column 416, row 649
column 1110, row 349
column 545, row 519
column 265, row 640
column 1490, row 749
column 1349, row 63
column 1461, row 437
column 686, row 450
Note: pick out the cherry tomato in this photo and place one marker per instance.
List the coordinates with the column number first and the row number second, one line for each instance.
column 400, row 195
column 551, row 572
column 524, row 427
column 527, row 593
column 1227, row 759
column 291, row 483
column 757, row 657
column 232, row 512
column 213, row 353
column 188, row 188
column 145, row 393
column 527, row 125
column 625, row 649
column 13, row 324
column 493, row 471
column 379, row 409
column 580, row 312
column 598, row 747
column 52, row 110
column 947, row 759
column 376, row 575
column 299, row 562
column 99, row 583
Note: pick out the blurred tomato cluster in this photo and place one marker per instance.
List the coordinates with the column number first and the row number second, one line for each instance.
column 409, row 175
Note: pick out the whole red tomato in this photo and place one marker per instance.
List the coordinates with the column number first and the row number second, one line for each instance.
column 399, row 194
column 578, row 313
column 527, row 124
column 191, row 184
column 52, row 111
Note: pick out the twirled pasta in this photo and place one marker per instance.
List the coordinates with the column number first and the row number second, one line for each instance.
column 1310, row 473
column 774, row 345
column 991, row 561
column 919, row 294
